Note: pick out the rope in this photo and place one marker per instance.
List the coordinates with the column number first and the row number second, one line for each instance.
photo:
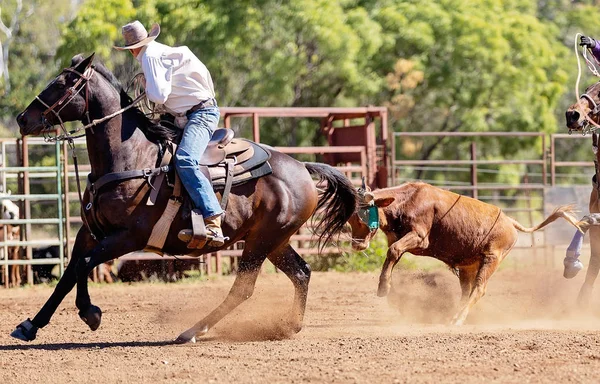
column 588, row 62
column 69, row 135
column 594, row 71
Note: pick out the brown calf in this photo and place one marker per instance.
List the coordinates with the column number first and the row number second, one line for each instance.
column 470, row 236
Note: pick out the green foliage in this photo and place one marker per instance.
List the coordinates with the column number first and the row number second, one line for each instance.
column 348, row 260
column 96, row 28
column 438, row 65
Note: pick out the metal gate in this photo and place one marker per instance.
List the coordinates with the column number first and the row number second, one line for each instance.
column 39, row 197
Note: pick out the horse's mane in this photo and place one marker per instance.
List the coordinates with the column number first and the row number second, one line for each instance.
column 155, row 133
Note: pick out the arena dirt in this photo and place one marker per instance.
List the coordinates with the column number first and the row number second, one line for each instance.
column 524, row 330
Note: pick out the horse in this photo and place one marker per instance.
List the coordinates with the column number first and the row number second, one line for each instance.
column 584, row 116
column 263, row 212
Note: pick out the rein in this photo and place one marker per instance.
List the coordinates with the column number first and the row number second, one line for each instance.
column 69, row 135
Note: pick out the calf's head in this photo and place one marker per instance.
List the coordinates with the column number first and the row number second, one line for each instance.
column 365, row 221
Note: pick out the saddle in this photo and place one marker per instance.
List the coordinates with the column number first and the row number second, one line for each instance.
column 226, row 162
column 249, row 160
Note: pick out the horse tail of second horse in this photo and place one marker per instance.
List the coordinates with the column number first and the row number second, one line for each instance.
column 338, row 201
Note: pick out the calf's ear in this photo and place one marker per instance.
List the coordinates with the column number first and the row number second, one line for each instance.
column 383, row 202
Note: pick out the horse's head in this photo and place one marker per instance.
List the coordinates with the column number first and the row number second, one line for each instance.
column 586, row 111
column 64, row 99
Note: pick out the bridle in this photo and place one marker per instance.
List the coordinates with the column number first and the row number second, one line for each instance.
column 588, row 120
column 60, row 104
column 592, row 67
column 69, row 95
column 367, row 211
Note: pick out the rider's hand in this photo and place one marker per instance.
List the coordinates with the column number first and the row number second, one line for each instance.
column 587, row 41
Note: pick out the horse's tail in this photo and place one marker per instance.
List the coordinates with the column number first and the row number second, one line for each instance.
column 338, row 201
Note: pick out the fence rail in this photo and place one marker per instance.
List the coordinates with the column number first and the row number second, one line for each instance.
column 60, row 176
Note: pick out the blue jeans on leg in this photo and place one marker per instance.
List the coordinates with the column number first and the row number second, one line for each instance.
column 196, row 135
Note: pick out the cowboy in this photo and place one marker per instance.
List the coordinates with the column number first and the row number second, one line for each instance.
column 181, row 83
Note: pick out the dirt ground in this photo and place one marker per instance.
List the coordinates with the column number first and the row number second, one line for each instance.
column 524, row 330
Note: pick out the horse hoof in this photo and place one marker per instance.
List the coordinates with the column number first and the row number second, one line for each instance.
column 383, row 290
column 189, row 336
column 457, row 321
column 184, row 339
column 25, row 331
column 92, row 317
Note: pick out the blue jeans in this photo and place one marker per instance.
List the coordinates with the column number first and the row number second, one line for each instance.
column 196, row 135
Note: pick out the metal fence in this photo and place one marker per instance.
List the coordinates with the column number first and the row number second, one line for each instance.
column 540, row 180
column 58, row 176
column 50, row 206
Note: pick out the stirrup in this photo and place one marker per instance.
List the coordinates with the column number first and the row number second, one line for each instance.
column 185, row 235
column 214, row 240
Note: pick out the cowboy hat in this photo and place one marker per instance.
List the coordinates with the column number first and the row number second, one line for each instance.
column 136, row 35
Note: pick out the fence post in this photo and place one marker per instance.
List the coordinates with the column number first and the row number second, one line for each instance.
column 474, row 169
column 27, row 191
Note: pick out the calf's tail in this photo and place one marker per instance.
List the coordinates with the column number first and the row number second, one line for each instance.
column 564, row 211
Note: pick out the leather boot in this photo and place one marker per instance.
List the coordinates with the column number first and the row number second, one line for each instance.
column 214, row 231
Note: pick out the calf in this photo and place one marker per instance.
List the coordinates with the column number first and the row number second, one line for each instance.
column 470, row 236
column 10, row 211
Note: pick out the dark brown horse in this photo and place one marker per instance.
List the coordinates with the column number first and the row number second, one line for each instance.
column 584, row 116
column 264, row 212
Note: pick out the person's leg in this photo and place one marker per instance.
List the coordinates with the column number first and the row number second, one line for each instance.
column 572, row 264
column 196, row 135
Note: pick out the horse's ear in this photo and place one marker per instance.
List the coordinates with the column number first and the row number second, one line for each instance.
column 82, row 65
column 76, row 59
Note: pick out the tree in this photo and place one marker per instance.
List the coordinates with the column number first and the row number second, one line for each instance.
column 9, row 32
column 32, row 55
column 265, row 53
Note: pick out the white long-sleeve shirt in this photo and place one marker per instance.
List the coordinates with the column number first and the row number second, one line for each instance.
column 175, row 77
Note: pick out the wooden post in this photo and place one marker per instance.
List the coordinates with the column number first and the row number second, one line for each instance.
column 552, row 170
column 255, row 128
column 545, row 160
column 371, row 150
column 384, row 141
column 219, row 266
column 474, row 169
column 393, row 166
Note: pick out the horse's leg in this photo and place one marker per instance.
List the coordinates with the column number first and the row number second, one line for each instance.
column 298, row 271
column 594, row 264
column 593, row 268
column 27, row 330
column 243, row 287
column 111, row 247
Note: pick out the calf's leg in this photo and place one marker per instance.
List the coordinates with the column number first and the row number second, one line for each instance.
column 467, row 276
column 395, row 251
column 487, row 267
